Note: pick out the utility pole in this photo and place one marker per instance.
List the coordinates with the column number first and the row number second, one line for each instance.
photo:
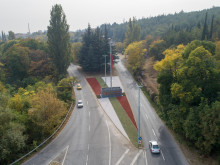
column 110, row 63
column 105, row 68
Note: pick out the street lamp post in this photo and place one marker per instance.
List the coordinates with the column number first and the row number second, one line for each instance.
column 105, row 68
column 110, row 63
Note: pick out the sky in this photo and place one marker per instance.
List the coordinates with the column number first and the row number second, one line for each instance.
column 15, row 15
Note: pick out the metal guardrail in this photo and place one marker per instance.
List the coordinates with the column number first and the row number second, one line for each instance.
column 46, row 139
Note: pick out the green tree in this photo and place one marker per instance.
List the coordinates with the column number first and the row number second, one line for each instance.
column 94, row 46
column 208, row 45
column 59, row 39
column 76, row 47
column 133, row 32
column 12, row 138
column 11, row 35
column 17, row 62
column 4, row 39
column 210, row 128
column 156, row 49
column 205, row 28
column 211, row 29
column 64, row 89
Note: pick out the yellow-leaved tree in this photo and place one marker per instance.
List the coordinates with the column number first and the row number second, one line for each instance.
column 173, row 57
column 47, row 111
column 135, row 52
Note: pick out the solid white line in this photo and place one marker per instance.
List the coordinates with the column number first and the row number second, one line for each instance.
column 145, row 157
column 109, row 137
column 65, row 155
column 146, row 116
column 87, row 159
column 153, row 132
column 122, row 157
column 136, row 157
column 162, row 155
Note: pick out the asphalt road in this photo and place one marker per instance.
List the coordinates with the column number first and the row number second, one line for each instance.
column 152, row 128
column 89, row 137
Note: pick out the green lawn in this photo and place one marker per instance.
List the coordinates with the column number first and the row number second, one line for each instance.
column 126, row 122
column 101, row 82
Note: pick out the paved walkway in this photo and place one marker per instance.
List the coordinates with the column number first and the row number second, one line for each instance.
column 108, row 108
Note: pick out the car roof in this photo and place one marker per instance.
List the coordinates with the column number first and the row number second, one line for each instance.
column 154, row 142
column 79, row 100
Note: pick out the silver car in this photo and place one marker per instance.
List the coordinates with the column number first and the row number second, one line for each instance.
column 79, row 104
column 154, row 147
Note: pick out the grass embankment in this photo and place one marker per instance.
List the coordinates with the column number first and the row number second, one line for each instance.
column 126, row 122
column 101, row 82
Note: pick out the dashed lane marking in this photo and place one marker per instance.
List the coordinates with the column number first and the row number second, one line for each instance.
column 162, row 155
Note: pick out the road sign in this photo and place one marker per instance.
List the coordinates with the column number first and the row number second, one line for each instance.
column 140, row 138
column 139, row 141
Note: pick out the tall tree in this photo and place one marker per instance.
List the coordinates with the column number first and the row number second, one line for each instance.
column 133, row 32
column 11, row 35
column 3, row 37
column 58, row 39
column 211, row 30
column 205, row 29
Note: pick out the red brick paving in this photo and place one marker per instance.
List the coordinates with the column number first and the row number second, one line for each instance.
column 95, row 85
column 126, row 106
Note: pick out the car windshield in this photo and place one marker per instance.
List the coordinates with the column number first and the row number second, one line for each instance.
column 79, row 102
column 155, row 147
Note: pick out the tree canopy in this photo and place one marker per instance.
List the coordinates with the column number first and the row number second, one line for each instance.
column 59, row 39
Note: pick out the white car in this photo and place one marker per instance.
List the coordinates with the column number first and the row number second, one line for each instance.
column 154, row 147
column 79, row 104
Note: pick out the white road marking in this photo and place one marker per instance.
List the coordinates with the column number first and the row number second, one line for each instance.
column 146, row 116
column 154, row 132
column 162, row 155
column 145, row 156
column 88, row 146
column 65, row 155
column 109, row 137
column 87, row 159
column 89, row 128
column 136, row 157
column 122, row 157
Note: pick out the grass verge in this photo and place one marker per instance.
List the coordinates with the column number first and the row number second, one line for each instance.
column 101, row 82
column 129, row 127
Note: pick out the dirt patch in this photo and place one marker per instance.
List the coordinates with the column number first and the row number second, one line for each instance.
column 150, row 76
column 126, row 106
column 95, row 85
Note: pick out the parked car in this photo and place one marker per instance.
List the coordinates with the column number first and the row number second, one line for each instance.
column 154, row 147
column 78, row 87
column 79, row 104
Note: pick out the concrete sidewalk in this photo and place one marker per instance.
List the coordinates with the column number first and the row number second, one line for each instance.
column 109, row 110
column 107, row 106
